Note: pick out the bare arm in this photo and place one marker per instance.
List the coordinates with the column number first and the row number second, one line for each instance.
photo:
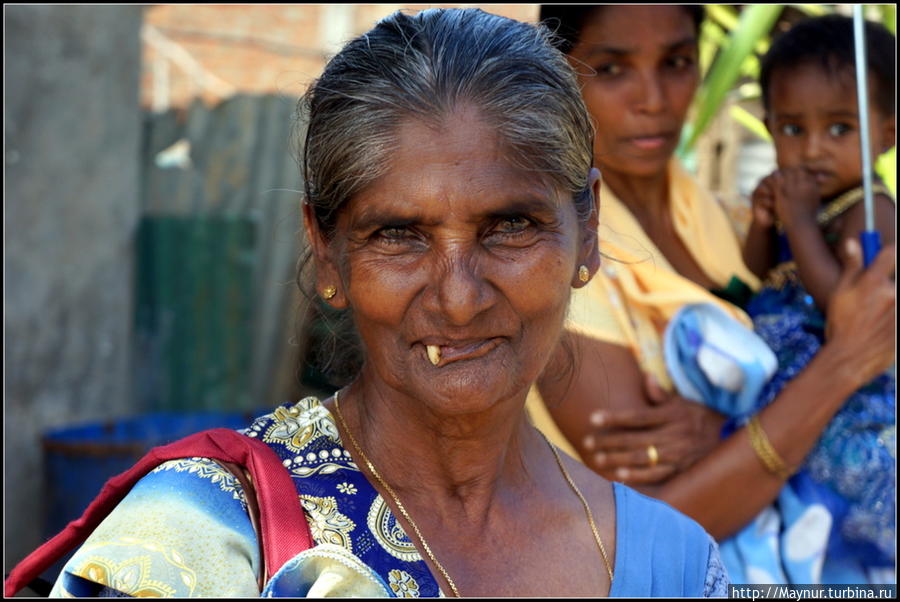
column 818, row 269
column 607, row 377
column 853, row 222
column 796, row 203
column 817, row 266
column 760, row 246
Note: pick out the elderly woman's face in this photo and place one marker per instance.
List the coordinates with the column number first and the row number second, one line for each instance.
column 458, row 251
column 638, row 69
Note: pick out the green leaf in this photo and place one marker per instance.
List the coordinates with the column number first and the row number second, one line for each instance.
column 750, row 121
column 750, row 90
column 726, row 16
column 755, row 23
column 886, row 168
column 750, row 67
column 812, row 10
column 889, row 17
column 711, row 39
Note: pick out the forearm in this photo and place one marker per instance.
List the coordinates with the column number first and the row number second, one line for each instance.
column 759, row 249
column 729, row 487
column 599, row 373
column 817, row 267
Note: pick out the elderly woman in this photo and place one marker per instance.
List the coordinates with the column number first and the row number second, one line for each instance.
column 673, row 246
column 451, row 207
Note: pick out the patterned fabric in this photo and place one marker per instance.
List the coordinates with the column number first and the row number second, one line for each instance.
column 853, row 464
column 343, row 509
column 184, row 531
column 716, row 584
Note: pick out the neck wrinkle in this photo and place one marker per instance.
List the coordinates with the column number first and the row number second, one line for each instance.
column 449, row 465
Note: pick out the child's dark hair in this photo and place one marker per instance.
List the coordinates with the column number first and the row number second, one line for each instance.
column 567, row 20
column 828, row 42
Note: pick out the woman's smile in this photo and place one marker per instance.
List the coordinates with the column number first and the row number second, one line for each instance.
column 439, row 354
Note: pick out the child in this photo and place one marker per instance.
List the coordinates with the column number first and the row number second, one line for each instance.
column 802, row 213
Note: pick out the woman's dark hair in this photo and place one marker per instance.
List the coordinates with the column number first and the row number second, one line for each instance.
column 568, row 20
column 828, row 42
column 424, row 67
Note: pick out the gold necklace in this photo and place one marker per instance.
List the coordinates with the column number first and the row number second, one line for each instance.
column 562, row 468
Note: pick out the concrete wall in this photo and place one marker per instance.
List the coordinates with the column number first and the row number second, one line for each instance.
column 71, row 206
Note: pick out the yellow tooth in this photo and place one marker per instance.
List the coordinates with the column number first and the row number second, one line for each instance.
column 434, row 354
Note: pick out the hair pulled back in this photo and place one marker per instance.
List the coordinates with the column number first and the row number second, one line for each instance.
column 424, row 67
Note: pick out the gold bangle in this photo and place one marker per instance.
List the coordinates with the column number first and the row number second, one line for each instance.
column 764, row 450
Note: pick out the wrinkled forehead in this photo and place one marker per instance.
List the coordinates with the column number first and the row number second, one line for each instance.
column 463, row 143
column 460, row 166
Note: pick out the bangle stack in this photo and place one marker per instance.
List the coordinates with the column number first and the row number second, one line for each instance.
column 764, row 450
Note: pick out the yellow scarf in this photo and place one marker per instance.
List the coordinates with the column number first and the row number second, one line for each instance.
column 631, row 299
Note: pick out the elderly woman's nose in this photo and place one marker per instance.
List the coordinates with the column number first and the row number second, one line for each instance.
column 459, row 290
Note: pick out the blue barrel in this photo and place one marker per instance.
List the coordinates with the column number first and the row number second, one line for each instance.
column 78, row 460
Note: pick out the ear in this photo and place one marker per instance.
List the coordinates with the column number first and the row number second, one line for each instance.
column 327, row 273
column 589, row 253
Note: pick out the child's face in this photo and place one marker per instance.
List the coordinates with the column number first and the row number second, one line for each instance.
column 814, row 122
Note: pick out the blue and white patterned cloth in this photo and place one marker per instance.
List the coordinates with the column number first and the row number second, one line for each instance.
column 834, row 521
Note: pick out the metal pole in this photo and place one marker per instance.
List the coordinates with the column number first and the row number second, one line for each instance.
column 869, row 238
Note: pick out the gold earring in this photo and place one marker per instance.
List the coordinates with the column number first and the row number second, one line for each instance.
column 329, row 292
column 584, row 274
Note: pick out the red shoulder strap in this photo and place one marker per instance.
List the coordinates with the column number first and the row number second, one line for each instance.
column 283, row 526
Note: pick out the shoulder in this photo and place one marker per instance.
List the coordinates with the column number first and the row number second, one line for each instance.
column 164, row 538
column 660, row 551
column 853, row 220
column 657, row 517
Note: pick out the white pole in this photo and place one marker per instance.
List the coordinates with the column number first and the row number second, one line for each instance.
column 862, row 93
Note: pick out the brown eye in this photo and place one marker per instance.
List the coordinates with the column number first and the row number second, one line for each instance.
column 392, row 233
column 838, row 129
column 394, row 236
column 512, row 225
column 608, row 69
column 681, row 62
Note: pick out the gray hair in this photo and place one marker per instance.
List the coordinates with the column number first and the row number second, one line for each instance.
column 423, row 67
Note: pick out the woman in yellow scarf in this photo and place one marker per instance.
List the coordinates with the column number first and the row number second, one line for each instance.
column 666, row 243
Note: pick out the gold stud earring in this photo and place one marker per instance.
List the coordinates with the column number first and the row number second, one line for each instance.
column 329, row 292
column 584, row 274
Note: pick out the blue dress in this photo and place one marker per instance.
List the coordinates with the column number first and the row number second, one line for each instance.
column 184, row 530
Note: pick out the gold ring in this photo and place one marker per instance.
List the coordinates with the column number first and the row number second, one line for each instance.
column 652, row 455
